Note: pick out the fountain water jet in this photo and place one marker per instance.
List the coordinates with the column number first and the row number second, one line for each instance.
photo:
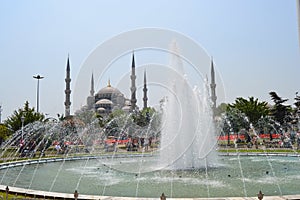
column 188, row 132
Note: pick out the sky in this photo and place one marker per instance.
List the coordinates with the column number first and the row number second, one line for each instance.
column 254, row 44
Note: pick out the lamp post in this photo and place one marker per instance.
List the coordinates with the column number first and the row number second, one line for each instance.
column 22, row 120
column 38, row 77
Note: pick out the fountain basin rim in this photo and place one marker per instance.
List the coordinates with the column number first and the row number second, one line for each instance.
column 45, row 194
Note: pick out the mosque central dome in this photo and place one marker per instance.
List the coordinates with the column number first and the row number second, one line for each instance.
column 108, row 99
column 108, row 91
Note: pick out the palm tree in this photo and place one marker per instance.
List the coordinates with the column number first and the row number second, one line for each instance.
column 252, row 108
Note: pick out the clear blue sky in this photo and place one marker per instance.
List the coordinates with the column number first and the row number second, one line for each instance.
column 254, row 43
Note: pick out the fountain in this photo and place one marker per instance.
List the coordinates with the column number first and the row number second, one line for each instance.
column 188, row 132
column 145, row 174
column 186, row 164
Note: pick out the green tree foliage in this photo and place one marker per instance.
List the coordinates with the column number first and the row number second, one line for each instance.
column 86, row 116
column 266, row 125
column 297, row 109
column 134, row 124
column 297, row 101
column 4, row 133
column 61, row 117
column 153, row 118
column 235, row 121
column 252, row 108
column 221, row 109
column 115, row 123
column 280, row 112
column 30, row 115
column 144, row 117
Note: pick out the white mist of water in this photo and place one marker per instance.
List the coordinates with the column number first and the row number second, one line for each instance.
column 188, row 132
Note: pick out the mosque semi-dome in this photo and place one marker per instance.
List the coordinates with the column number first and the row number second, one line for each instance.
column 101, row 110
column 126, row 108
column 104, row 101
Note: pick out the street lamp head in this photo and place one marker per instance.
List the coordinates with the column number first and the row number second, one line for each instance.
column 38, row 77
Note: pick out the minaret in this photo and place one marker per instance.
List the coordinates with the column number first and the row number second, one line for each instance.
column 145, row 91
column 92, row 91
column 133, row 87
column 213, row 88
column 67, row 90
column 91, row 98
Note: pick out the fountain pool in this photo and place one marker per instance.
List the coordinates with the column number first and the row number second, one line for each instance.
column 136, row 176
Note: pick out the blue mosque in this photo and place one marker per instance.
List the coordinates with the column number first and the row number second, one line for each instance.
column 108, row 98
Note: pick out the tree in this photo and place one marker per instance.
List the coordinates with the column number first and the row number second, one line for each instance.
column 87, row 116
column 235, row 120
column 221, row 109
column 267, row 125
column 61, row 117
column 4, row 133
column 30, row 115
column 143, row 117
column 296, row 113
column 280, row 112
column 297, row 109
column 252, row 108
column 297, row 101
column 115, row 123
